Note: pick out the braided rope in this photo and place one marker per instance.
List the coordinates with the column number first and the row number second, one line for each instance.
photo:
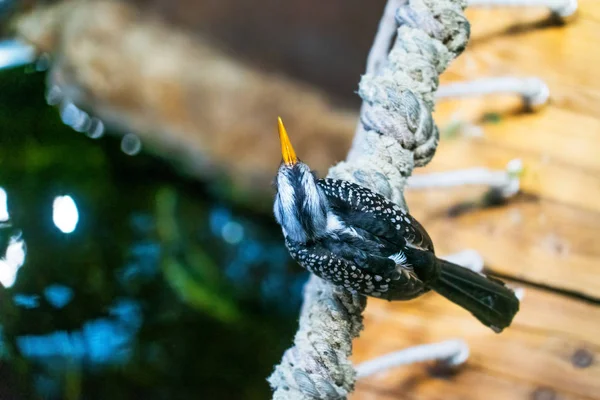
column 395, row 134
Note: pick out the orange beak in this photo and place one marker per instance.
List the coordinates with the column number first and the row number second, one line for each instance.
column 287, row 151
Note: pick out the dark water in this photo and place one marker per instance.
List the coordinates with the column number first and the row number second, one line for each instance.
column 162, row 290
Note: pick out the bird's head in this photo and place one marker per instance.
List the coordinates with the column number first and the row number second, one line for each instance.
column 300, row 205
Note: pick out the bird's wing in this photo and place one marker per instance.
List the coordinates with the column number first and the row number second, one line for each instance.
column 371, row 212
column 367, row 255
column 379, row 274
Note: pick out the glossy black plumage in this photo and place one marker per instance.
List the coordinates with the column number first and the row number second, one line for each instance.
column 357, row 257
column 356, row 238
column 362, row 263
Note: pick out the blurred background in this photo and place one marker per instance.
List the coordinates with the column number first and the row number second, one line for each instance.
column 139, row 257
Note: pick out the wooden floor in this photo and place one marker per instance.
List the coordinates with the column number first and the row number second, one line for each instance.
column 548, row 238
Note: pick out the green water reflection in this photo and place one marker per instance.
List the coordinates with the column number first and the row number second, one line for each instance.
column 162, row 291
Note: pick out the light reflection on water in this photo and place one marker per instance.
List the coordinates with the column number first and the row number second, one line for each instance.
column 98, row 297
column 58, row 295
column 3, row 206
column 65, row 214
column 12, row 261
column 101, row 341
column 27, row 301
column 15, row 53
column 253, row 265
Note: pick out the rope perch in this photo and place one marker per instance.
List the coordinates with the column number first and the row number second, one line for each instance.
column 396, row 133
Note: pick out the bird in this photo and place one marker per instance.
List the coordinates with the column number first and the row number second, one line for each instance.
column 356, row 238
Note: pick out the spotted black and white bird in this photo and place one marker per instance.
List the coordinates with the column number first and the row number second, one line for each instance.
column 353, row 237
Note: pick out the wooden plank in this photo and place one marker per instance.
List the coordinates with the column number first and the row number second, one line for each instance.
column 517, row 41
column 554, row 141
column 471, row 383
column 589, row 9
column 549, row 238
column 547, row 135
column 551, row 241
column 535, row 240
column 543, row 177
column 560, row 144
column 534, row 355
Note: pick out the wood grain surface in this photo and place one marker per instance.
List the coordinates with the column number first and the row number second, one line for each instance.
column 548, row 236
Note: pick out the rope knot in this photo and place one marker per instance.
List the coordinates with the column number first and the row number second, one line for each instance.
column 395, row 133
column 407, row 119
column 399, row 97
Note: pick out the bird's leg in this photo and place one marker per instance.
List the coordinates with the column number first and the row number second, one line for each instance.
column 383, row 268
column 402, row 266
column 407, row 271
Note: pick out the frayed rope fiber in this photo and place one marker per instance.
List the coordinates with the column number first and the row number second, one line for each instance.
column 396, row 133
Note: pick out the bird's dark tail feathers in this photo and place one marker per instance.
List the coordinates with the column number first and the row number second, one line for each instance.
column 488, row 299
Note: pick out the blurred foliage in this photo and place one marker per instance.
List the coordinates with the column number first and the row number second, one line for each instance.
column 163, row 291
column 491, row 118
column 452, row 130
